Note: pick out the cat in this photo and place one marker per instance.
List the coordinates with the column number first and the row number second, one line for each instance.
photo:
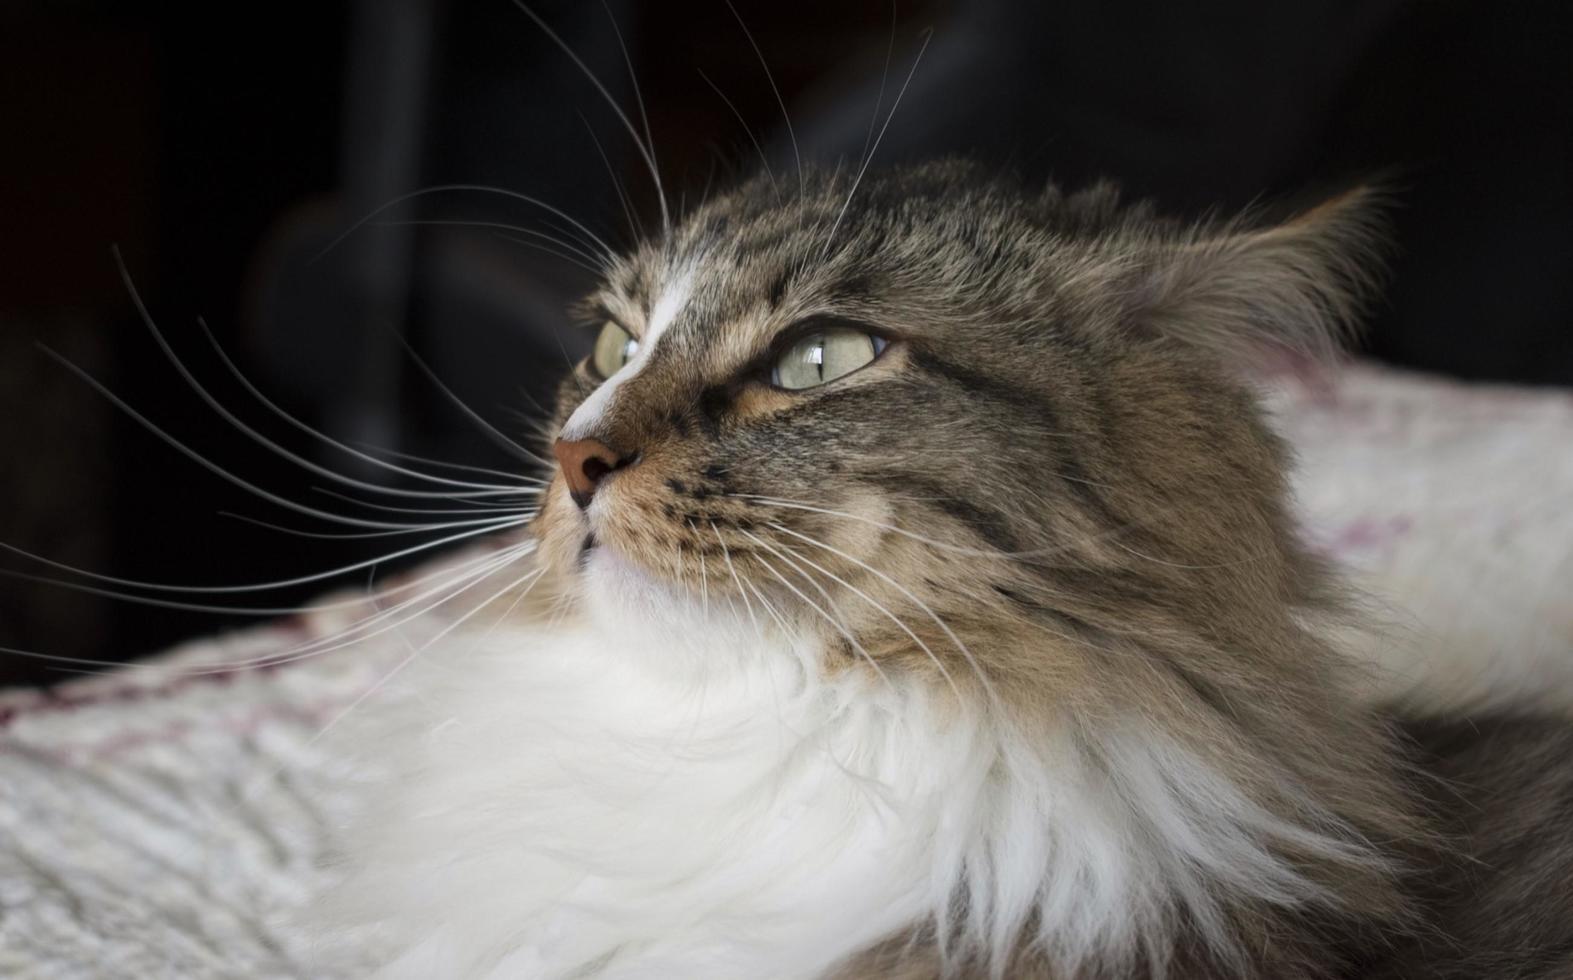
column 915, row 595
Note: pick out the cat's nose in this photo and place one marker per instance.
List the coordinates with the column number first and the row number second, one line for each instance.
column 585, row 463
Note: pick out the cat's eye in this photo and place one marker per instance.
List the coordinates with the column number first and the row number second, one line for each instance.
column 613, row 348
column 824, row 355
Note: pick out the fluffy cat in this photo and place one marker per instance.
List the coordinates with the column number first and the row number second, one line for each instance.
column 916, row 596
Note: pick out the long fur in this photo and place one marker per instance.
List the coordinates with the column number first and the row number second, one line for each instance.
column 640, row 804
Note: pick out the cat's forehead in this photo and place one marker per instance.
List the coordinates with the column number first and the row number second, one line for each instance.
column 904, row 252
column 721, row 278
column 758, row 251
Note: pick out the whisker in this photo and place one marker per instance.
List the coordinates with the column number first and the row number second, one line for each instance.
column 704, row 585
column 241, row 610
column 563, row 249
column 471, row 506
column 837, row 625
column 942, row 545
column 1028, row 557
column 894, row 529
column 353, row 535
column 444, row 464
column 764, row 160
column 235, row 420
column 531, row 576
column 224, row 412
column 152, row 601
column 647, row 152
column 769, row 608
column 476, row 189
column 726, row 554
column 644, row 117
column 203, row 461
column 977, row 668
column 449, row 590
column 539, row 247
column 342, row 638
column 261, row 586
column 863, row 169
column 780, row 102
column 361, row 699
column 273, row 407
column 887, row 613
column 884, row 78
column 201, row 607
column 486, row 427
column 635, row 226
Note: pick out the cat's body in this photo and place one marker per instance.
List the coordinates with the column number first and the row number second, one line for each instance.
column 982, row 645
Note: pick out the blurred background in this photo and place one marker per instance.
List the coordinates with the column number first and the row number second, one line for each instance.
column 232, row 155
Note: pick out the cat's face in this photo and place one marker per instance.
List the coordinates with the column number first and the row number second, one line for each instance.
column 962, row 408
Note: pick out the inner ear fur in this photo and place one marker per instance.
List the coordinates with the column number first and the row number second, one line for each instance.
column 1242, row 288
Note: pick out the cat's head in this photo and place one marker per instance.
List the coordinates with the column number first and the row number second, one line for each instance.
column 939, row 407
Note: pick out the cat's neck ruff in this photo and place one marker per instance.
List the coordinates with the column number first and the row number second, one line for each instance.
column 679, row 788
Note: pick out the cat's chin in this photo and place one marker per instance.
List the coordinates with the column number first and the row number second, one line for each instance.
column 604, row 572
column 623, row 598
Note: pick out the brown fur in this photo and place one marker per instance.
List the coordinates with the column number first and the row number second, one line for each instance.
column 1054, row 486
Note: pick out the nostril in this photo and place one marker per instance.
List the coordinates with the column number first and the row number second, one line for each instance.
column 594, row 468
column 585, row 463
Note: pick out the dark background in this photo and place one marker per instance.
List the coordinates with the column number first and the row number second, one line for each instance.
column 224, row 148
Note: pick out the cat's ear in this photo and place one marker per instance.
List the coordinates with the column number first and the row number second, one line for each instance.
column 1243, row 288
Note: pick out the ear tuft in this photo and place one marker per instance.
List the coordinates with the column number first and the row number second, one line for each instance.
column 1240, row 288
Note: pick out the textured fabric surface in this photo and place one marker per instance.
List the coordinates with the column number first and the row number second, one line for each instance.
column 164, row 821
column 1451, row 508
column 155, row 823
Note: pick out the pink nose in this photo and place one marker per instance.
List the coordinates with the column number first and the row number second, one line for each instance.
column 584, row 463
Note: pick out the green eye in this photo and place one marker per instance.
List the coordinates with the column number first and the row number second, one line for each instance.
column 613, row 348
column 824, row 355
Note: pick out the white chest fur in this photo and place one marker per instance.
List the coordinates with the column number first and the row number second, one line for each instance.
column 567, row 805
column 624, row 802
